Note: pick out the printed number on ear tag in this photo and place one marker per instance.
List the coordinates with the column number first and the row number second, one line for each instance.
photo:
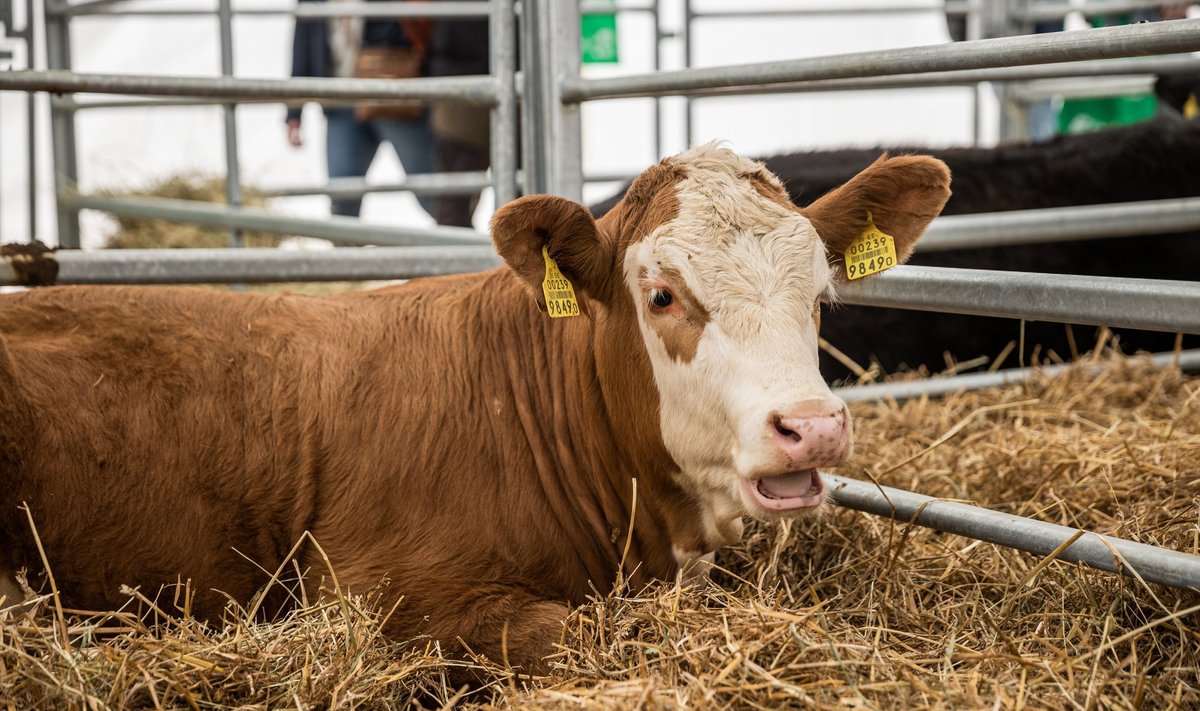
column 871, row 253
column 560, row 295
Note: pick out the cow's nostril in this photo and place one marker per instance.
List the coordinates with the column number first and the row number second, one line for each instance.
column 777, row 421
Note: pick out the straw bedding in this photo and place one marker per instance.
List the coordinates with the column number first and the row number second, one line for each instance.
column 845, row 610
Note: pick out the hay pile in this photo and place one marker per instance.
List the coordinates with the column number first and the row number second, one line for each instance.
column 142, row 233
column 844, row 611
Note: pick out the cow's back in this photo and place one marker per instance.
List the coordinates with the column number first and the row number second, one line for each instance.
column 125, row 432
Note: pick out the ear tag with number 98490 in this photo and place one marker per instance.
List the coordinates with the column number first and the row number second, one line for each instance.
column 560, row 295
column 871, row 253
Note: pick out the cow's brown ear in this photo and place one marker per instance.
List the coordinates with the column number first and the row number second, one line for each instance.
column 902, row 196
column 522, row 227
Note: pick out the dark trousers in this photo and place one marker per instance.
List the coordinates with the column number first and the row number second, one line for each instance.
column 450, row 156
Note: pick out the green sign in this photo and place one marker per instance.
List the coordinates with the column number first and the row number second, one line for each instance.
column 598, row 37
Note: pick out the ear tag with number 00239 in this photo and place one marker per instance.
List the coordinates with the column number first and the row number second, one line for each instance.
column 560, row 295
column 871, row 253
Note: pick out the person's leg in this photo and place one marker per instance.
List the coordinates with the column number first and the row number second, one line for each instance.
column 350, row 147
column 414, row 146
column 451, row 156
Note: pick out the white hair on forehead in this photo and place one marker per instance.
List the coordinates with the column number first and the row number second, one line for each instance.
column 716, row 157
column 739, row 249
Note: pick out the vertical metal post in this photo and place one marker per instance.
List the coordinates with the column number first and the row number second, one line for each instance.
column 553, row 146
column 532, row 147
column 656, row 16
column 1013, row 113
column 504, row 113
column 31, row 120
column 62, row 129
column 688, row 103
column 233, row 182
column 974, row 26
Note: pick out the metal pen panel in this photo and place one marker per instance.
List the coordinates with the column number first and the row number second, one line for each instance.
column 460, row 183
column 1151, row 304
column 479, row 90
column 233, row 180
column 1116, row 555
column 504, row 128
column 550, row 55
column 1078, row 45
column 1058, row 224
column 254, row 265
column 1182, row 65
column 62, row 128
column 341, row 229
column 347, row 9
column 933, row 387
column 1042, row 12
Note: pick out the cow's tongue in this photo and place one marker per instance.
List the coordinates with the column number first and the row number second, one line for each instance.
column 789, row 486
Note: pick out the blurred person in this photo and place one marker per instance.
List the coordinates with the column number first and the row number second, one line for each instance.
column 461, row 132
column 332, row 48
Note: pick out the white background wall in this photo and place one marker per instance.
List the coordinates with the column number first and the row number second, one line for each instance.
column 131, row 147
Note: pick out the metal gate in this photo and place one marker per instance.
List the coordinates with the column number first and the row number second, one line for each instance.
column 551, row 91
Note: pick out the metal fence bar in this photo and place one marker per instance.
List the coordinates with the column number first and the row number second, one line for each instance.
column 836, row 9
column 1147, row 67
column 504, row 123
column 551, row 127
column 933, row 387
column 1057, row 224
column 61, row 8
column 1156, row 565
column 1041, row 12
column 1150, row 304
column 1078, row 45
column 30, row 33
column 71, row 102
column 479, row 90
column 62, row 128
column 233, row 180
column 396, row 10
column 341, row 229
column 254, row 265
column 1139, row 67
column 1045, row 89
column 348, row 9
column 461, row 183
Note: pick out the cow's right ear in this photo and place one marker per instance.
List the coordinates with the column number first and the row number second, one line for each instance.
column 522, row 227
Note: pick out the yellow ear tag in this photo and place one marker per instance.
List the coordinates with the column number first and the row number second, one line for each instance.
column 871, row 253
column 560, row 295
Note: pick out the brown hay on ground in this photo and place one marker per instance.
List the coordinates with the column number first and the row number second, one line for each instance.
column 846, row 610
column 141, row 233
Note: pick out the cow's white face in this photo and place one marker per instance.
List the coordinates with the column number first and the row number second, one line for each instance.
column 727, row 297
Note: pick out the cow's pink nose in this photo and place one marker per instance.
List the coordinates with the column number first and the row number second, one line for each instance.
column 812, row 440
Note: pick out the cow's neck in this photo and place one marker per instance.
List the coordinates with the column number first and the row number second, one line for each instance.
column 587, row 405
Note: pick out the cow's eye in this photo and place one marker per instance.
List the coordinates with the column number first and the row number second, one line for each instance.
column 661, row 298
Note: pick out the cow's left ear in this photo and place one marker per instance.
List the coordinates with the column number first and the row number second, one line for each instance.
column 902, row 196
column 522, row 227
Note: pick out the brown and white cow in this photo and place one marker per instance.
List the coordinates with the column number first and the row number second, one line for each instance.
column 446, row 435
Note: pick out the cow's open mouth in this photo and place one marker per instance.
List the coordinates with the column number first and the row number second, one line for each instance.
column 787, row 492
